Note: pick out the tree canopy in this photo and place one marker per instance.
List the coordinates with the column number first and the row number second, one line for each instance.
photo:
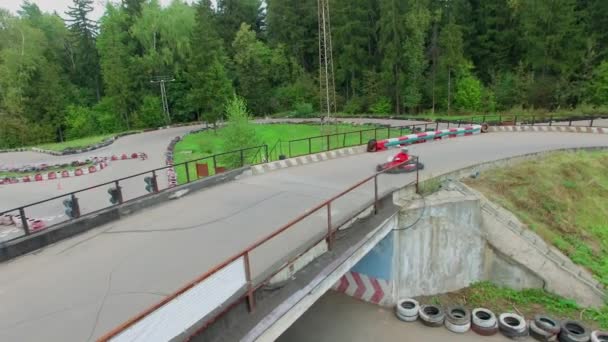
column 65, row 75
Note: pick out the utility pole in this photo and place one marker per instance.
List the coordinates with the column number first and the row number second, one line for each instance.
column 163, row 93
column 327, row 86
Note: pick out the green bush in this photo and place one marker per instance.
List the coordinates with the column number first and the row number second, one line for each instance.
column 150, row 114
column 303, row 109
column 468, row 93
column 354, row 106
column 381, row 106
column 238, row 133
column 80, row 122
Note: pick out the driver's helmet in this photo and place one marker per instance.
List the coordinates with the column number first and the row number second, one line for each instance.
column 404, row 150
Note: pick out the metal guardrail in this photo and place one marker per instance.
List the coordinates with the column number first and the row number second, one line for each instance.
column 251, row 285
column 234, row 159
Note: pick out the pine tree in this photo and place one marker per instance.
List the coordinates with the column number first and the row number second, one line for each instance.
column 211, row 86
column 84, row 56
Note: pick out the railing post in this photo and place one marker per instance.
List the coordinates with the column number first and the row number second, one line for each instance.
column 187, row 173
column 483, row 119
column 76, row 205
column 459, row 122
column 242, row 158
column 417, row 175
column 26, row 227
column 376, row 133
column 375, row 194
column 388, row 132
column 118, row 192
column 361, row 137
column 514, row 120
column 266, row 156
column 289, row 143
column 448, row 123
column 328, row 143
column 401, row 131
column 250, row 297
column 436, row 125
column 551, row 120
column 570, row 122
column 591, row 123
column 330, row 238
column 154, row 182
column 309, row 146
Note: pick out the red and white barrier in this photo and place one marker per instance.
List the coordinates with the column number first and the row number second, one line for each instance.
column 33, row 224
column 417, row 138
column 99, row 163
column 363, row 287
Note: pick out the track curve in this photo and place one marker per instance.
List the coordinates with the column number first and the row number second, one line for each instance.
column 95, row 281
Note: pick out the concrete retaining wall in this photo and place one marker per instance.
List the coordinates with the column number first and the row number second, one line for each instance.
column 443, row 251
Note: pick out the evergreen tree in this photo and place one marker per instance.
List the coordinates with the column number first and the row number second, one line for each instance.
column 211, row 86
column 83, row 52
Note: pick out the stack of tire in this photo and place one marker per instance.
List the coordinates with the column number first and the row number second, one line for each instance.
column 484, row 322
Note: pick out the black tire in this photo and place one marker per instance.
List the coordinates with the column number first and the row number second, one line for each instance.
column 379, row 167
column 458, row 315
column 431, row 315
column 574, row 331
column 547, row 324
column 540, row 334
column 512, row 325
column 371, row 145
column 420, row 166
column 485, row 127
column 484, row 331
column 599, row 336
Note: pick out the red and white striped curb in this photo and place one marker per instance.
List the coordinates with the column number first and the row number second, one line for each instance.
column 100, row 163
column 422, row 137
column 564, row 129
column 308, row 159
column 361, row 286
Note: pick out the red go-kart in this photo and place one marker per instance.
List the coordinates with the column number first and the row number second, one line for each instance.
column 392, row 166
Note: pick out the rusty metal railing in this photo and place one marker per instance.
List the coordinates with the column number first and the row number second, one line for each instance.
column 251, row 286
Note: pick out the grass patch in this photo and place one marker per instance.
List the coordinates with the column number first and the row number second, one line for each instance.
column 528, row 302
column 76, row 143
column 430, row 186
column 563, row 198
column 276, row 136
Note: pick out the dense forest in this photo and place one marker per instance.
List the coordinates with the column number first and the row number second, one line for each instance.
column 65, row 75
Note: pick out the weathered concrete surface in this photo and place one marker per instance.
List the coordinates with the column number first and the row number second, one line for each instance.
column 443, row 250
column 337, row 318
column 103, row 277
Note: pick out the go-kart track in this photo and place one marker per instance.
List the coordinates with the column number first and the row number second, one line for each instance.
column 79, row 288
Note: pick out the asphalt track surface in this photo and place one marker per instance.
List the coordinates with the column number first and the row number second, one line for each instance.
column 152, row 143
column 80, row 288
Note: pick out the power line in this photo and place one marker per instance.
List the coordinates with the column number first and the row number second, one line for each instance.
column 327, row 87
column 163, row 93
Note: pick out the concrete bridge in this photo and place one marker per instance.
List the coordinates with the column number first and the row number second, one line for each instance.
column 96, row 281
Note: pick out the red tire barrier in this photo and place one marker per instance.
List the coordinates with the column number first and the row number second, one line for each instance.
column 26, row 179
column 52, row 175
column 78, row 172
column 134, row 155
column 65, row 174
column 92, row 169
column 38, row 177
column 124, row 156
column 114, row 158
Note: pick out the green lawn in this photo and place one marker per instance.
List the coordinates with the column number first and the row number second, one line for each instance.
column 76, row 143
column 277, row 137
column 563, row 198
column 527, row 302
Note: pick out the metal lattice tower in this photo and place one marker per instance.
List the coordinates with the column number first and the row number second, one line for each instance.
column 163, row 93
column 327, row 86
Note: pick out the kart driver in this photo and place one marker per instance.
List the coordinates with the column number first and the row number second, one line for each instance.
column 402, row 156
